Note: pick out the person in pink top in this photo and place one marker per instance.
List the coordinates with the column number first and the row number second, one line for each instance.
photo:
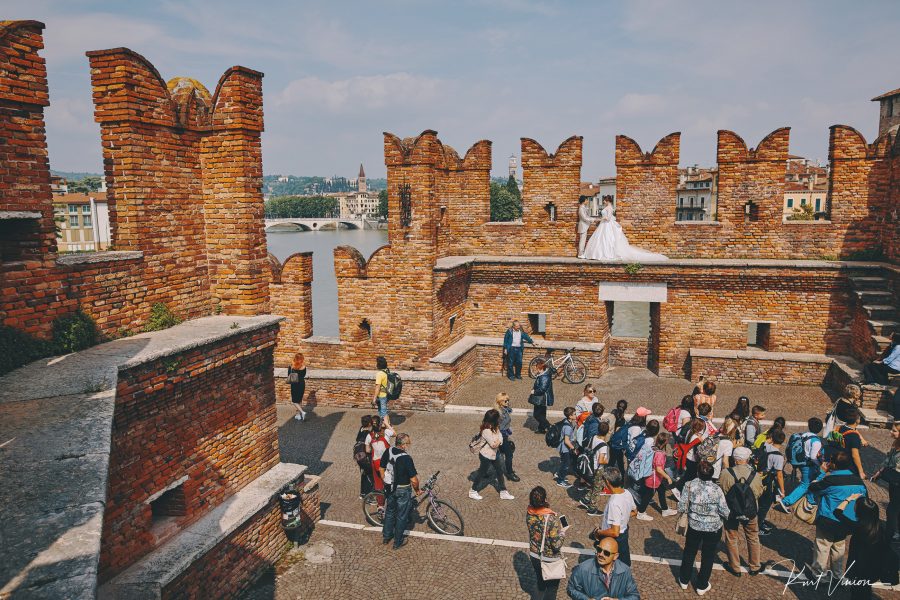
column 658, row 481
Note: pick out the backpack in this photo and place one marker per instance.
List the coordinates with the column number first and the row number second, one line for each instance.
column 760, row 461
column 619, row 440
column 681, row 452
column 642, row 466
column 394, row 385
column 585, row 440
column 635, row 445
column 553, row 437
column 749, row 443
column 360, row 456
column 740, row 499
column 670, row 422
column 682, row 434
column 584, row 466
column 760, row 440
column 796, row 455
column 380, row 438
column 834, row 442
column 579, row 436
column 477, row 443
column 707, row 449
column 389, row 469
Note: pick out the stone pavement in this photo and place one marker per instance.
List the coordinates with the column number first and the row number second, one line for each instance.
column 444, row 569
column 659, row 394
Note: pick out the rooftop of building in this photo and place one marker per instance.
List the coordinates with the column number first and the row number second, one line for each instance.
column 79, row 198
column 889, row 94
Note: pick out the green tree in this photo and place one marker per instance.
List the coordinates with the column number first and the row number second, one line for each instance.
column 513, row 187
column 504, row 205
column 382, row 204
column 301, row 207
column 804, row 213
column 85, row 185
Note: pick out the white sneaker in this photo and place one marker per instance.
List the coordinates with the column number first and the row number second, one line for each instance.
column 474, row 495
column 684, row 586
column 703, row 591
column 298, row 417
column 504, row 495
column 642, row 516
column 669, row 512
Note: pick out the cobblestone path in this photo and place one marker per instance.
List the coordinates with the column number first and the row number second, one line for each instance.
column 431, row 568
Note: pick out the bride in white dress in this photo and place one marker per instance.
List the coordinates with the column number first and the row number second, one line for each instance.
column 609, row 242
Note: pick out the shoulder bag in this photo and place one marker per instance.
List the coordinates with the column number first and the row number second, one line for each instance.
column 537, row 399
column 804, row 510
column 293, row 376
column 551, row 569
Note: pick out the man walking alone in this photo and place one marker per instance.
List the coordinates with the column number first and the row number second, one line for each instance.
column 513, row 343
column 400, row 483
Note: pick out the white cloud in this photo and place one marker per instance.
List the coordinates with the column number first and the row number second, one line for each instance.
column 395, row 90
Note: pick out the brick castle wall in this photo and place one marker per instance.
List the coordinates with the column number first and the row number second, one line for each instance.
column 768, row 372
column 207, row 414
column 628, row 352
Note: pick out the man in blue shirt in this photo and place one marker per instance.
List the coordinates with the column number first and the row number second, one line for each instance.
column 513, row 343
column 830, row 490
column 604, row 577
column 566, row 447
column 889, row 364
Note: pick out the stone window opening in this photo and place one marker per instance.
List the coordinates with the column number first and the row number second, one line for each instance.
column 759, row 335
column 538, row 323
column 19, row 240
column 551, row 211
column 452, row 321
column 366, row 329
column 166, row 508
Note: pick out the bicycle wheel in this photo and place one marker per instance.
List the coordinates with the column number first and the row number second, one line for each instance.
column 532, row 367
column 575, row 370
column 444, row 518
column 373, row 508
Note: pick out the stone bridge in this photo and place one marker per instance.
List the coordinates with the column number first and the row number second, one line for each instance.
column 313, row 224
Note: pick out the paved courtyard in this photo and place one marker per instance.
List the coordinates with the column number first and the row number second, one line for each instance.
column 438, row 568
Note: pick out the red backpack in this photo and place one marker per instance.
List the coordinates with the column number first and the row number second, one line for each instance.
column 681, row 452
column 670, row 422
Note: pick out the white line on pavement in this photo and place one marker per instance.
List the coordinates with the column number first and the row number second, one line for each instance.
column 674, row 562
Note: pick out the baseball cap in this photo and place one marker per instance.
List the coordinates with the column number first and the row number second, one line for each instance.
column 642, row 411
column 742, row 453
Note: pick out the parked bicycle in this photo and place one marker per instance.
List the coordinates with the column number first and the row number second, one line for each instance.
column 573, row 368
column 441, row 516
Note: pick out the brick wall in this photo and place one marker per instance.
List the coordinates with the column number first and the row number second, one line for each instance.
column 358, row 393
column 628, row 351
column 290, row 289
column 770, row 372
column 207, row 414
column 234, row 564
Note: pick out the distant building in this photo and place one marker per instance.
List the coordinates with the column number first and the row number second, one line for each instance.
column 358, row 204
column 361, row 180
column 889, row 116
column 805, row 184
column 513, row 166
column 58, row 185
column 83, row 222
column 607, row 187
column 697, row 194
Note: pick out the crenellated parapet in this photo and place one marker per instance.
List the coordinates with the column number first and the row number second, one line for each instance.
column 665, row 153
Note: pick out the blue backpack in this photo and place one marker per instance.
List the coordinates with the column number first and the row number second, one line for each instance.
column 619, row 440
column 796, row 455
column 641, row 466
column 635, row 445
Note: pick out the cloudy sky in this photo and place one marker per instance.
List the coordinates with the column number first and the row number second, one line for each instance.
column 338, row 73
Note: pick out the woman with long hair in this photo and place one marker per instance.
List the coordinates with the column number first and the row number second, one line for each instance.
column 696, row 434
column 890, row 474
column 870, row 557
column 742, row 409
column 488, row 456
column 687, row 412
column 727, row 443
column 545, row 539
column 297, row 381
column 543, row 387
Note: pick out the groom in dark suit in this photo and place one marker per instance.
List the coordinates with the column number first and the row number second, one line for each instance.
column 513, row 343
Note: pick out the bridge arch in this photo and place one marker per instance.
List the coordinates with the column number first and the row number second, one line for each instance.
column 288, row 226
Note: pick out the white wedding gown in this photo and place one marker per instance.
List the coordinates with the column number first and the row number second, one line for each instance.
column 609, row 243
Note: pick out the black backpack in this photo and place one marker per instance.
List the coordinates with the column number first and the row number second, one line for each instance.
column 553, row 437
column 740, row 499
column 683, row 432
column 394, row 385
column 360, row 456
column 584, row 466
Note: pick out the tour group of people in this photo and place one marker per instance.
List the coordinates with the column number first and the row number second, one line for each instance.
column 722, row 478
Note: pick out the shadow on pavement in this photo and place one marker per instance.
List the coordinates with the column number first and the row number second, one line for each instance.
column 304, row 442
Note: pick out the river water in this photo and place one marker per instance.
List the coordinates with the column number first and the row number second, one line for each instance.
column 629, row 318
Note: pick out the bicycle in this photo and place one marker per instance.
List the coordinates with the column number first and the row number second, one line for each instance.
column 574, row 370
column 441, row 515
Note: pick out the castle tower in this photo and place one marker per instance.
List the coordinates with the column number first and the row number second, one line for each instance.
column 890, row 110
column 361, row 181
column 513, row 166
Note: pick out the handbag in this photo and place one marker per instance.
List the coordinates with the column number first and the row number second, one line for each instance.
column 806, row 511
column 551, row 569
column 293, row 376
column 681, row 526
column 537, row 399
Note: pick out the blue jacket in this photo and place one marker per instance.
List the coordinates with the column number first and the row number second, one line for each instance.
column 591, row 427
column 507, row 339
column 831, row 489
column 543, row 384
column 586, row 582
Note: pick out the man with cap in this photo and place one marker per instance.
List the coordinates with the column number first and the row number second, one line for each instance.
column 604, row 577
column 742, row 472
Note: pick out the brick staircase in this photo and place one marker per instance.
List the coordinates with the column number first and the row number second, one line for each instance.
column 877, row 299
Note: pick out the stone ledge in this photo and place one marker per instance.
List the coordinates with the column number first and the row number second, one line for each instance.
column 450, row 262
column 147, row 578
column 760, row 355
column 367, row 375
column 799, row 222
column 321, row 339
column 92, row 258
column 456, row 351
column 505, row 223
column 695, row 223
column 19, row 214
